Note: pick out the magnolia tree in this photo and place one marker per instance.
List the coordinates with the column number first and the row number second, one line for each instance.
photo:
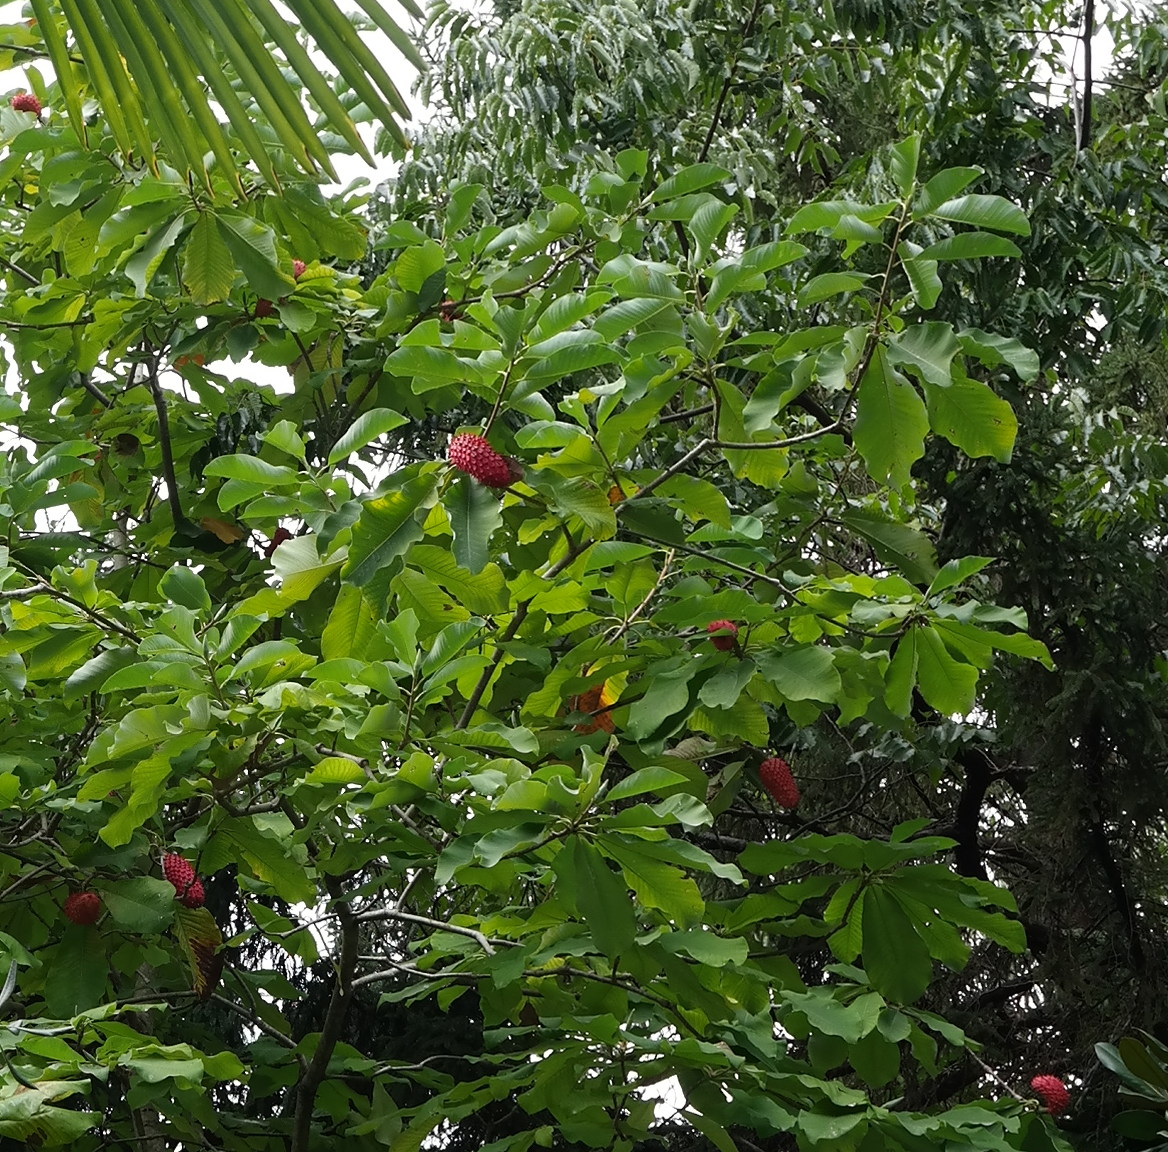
column 427, row 678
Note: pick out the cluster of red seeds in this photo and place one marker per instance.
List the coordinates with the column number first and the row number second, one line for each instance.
column 474, row 456
column 776, row 778
column 723, row 634
column 1052, row 1092
column 26, row 102
column 83, row 907
column 188, row 888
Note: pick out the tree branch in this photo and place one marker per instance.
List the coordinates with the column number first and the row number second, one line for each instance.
column 168, row 472
column 438, row 925
column 330, row 1033
column 1088, row 35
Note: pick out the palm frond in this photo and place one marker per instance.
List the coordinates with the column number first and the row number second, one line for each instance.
column 155, row 66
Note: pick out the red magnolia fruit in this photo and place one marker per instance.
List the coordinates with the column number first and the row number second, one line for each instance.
column 83, row 907
column 193, row 896
column 776, row 778
column 180, row 873
column 264, row 309
column 723, row 634
column 1052, row 1092
column 474, row 456
column 278, row 537
column 298, row 267
column 27, row 102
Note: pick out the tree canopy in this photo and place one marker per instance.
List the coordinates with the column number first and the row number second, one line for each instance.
column 747, row 736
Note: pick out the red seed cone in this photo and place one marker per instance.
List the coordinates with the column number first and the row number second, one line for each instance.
column 776, row 778
column 474, row 456
column 83, row 907
column 180, row 873
column 1052, row 1092
column 723, row 634
column 26, row 102
column 298, row 267
column 193, row 896
column 264, row 309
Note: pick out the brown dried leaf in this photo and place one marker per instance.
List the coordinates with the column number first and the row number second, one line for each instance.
column 226, row 531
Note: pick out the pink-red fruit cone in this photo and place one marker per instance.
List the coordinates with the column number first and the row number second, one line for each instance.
column 193, row 896
column 83, row 907
column 474, row 456
column 180, row 873
column 26, row 102
column 776, row 778
column 1052, row 1092
column 723, row 634
column 298, row 267
column 264, row 309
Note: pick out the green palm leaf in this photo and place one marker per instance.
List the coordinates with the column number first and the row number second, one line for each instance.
column 155, row 68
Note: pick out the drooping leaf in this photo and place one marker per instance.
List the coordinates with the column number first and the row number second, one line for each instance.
column 891, row 422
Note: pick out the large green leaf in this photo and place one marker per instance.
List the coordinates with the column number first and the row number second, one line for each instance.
column 601, row 897
column 389, row 524
column 253, row 246
column 364, row 430
column 984, row 212
column 947, row 684
column 208, row 269
column 474, row 514
column 891, row 422
column 970, row 415
column 895, row 957
column 926, row 350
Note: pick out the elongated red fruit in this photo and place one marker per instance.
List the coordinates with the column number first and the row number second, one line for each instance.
column 180, row 873
column 26, row 102
column 723, row 634
column 776, row 778
column 474, row 456
column 193, row 897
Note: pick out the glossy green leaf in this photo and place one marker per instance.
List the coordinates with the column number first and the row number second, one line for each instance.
column 601, row 897
column 364, row 430
column 891, row 422
column 993, row 212
column 969, row 415
column 947, row 684
column 895, row 958
column 388, row 525
column 208, row 268
column 927, row 351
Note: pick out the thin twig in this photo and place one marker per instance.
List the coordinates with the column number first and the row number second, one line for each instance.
column 438, row 925
column 4, row 263
column 51, row 590
column 253, row 1020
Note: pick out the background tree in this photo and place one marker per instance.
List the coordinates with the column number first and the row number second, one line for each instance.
column 1058, row 785
column 437, row 745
